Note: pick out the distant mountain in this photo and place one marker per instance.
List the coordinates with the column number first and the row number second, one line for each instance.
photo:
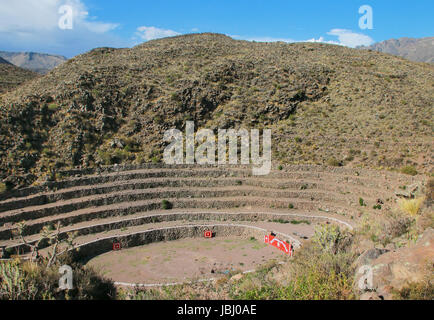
column 3, row 61
column 37, row 62
column 418, row 50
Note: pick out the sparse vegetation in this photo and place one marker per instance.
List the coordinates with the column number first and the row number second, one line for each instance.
column 410, row 170
column 423, row 290
column 21, row 280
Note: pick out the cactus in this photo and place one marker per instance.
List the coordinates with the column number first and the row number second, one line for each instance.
column 329, row 237
column 13, row 283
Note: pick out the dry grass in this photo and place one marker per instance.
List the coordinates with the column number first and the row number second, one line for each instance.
column 411, row 206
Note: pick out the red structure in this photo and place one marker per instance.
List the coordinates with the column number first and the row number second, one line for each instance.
column 208, row 234
column 116, row 246
column 279, row 244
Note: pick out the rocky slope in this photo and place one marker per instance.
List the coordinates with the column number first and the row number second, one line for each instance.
column 12, row 76
column 324, row 104
column 37, row 62
column 419, row 50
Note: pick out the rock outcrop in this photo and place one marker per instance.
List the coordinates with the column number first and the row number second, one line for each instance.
column 381, row 273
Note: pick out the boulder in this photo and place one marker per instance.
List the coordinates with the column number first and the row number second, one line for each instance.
column 368, row 256
column 387, row 271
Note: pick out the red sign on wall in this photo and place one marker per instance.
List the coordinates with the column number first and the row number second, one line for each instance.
column 279, row 244
column 207, row 234
column 116, row 246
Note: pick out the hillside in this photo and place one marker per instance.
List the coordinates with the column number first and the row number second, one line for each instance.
column 418, row 50
column 325, row 104
column 37, row 62
column 12, row 76
column 3, row 61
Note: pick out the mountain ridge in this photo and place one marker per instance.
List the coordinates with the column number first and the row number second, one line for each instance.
column 325, row 104
column 38, row 62
column 413, row 49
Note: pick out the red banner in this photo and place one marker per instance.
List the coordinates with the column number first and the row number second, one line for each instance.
column 279, row 244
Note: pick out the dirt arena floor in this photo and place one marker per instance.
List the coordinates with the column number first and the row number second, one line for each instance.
column 185, row 259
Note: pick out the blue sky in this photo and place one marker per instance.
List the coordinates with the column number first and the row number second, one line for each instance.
column 33, row 25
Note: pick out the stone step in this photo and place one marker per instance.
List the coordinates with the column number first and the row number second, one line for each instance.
column 130, row 208
column 293, row 185
column 61, row 207
column 149, row 220
column 371, row 179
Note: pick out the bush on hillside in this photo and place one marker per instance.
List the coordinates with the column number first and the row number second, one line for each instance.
column 33, row 281
column 410, row 170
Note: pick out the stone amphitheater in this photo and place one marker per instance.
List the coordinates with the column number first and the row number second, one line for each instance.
column 129, row 204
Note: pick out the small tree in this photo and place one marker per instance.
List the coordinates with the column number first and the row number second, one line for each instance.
column 53, row 238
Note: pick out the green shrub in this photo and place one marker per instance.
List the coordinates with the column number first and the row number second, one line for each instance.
column 362, row 202
column 334, row 163
column 53, row 106
column 280, row 167
column 410, row 170
column 155, row 160
column 166, row 205
column 282, row 221
column 300, row 222
column 33, row 281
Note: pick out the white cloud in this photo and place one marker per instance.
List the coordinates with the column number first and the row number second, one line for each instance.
column 29, row 25
column 351, row 39
column 345, row 38
column 262, row 39
column 322, row 40
column 151, row 33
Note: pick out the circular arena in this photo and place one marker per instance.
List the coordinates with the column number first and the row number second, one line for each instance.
column 155, row 216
